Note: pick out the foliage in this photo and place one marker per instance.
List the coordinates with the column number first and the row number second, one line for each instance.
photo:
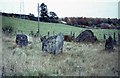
column 8, row 28
column 53, row 17
column 76, row 21
column 47, row 17
column 32, row 15
column 43, row 12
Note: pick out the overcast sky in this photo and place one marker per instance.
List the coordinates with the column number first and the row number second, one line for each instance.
column 65, row 8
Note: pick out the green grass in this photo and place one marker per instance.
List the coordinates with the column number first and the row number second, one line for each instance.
column 26, row 26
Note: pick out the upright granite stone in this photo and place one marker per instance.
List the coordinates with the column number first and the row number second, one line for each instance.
column 86, row 36
column 21, row 40
column 53, row 44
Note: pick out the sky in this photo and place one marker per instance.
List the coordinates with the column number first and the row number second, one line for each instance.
column 65, row 8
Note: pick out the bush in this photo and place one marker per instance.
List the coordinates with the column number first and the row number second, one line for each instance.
column 8, row 29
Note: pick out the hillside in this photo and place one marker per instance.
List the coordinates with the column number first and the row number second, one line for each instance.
column 26, row 26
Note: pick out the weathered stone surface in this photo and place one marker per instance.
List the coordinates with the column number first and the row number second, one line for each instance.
column 53, row 44
column 21, row 40
column 109, row 44
column 43, row 38
column 86, row 36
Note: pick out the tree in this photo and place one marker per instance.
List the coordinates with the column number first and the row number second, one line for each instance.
column 66, row 19
column 32, row 15
column 53, row 17
column 43, row 12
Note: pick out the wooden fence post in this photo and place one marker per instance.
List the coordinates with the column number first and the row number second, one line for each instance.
column 73, row 36
column 48, row 34
column 71, row 33
column 114, row 36
column 114, row 41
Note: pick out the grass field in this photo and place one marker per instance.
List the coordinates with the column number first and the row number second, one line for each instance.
column 77, row 59
column 26, row 26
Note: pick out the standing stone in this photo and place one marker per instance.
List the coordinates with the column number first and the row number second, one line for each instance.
column 86, row 36
column 114, row 41
column 21, row 40
column 43, row 38
column 68, row 38
column 109, row 44
column 53, row 44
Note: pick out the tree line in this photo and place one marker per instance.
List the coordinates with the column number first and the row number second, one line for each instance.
column 91, row 22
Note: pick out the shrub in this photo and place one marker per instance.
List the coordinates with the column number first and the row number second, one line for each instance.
column 8, row 29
